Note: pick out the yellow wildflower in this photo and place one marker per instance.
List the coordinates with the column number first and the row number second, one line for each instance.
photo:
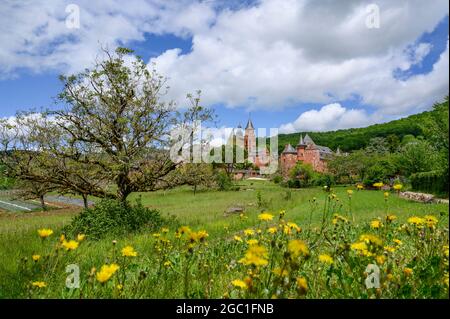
column 375, row 224
column 349, row 192
column 164, row 230
column 239, row 284
column 62, row 238
column 255, row 255
column 249, row 232
column 378, row 184
column 167, row 264
column 265, row 217
column 359, row 246
column 44, row 233
column 380, row 259
column 297, row 247
column 81, row 237
column 302, row 285
column 359, row 186
column 39, row 284
column 184, row 229
column 237, row 238
column 201, row 235
column 407, row 271
column 371, row 239
column 70, row 245
column 36, row 257
column 326, row 259
column 430, row 220
column 106, row 272
column 272, row 230
column 294, row 226
column 129, row 251
column 398, row 241
column 252, row 241
column 277, row 271
column 390, row 218
column 386, row 194
column 418, row 221
column 398, row 187
column 389, row 249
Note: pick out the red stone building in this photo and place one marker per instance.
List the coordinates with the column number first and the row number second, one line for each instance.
column 306, row 152
column 246, row 139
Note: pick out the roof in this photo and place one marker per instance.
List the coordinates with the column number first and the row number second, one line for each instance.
column 308, row 140
column 288, row 149
column 324, row 151
column 249, row 125
column 301, row 142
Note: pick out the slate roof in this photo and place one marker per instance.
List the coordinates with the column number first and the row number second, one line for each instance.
column 249, row 124
column 288, row 149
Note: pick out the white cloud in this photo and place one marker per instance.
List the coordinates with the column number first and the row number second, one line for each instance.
column 274, row 54
column 278, row 54
column 34, row 33
column 329, row 117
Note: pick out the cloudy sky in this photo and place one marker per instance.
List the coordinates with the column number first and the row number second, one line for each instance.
column 297, row 65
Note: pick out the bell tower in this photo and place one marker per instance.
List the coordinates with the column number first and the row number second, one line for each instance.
column 250, row 141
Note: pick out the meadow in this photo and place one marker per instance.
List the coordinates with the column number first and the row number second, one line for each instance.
column 305, row 243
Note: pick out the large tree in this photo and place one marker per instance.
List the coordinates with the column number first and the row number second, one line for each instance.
column 110, row 134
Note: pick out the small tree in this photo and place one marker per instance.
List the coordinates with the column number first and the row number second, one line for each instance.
column 195, row 175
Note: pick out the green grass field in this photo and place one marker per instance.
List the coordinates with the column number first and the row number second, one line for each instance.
column 205, row 210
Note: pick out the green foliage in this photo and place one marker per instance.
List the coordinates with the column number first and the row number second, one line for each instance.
column 277, row 179
column 303, row 173
column 323, row 180
column 358, row 138
column 417, row 156
column 435, row 182
column 5, row 181
column 223, row 181
column 112, row 217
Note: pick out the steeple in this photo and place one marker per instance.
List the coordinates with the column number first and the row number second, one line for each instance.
column 301, row 142
column 308, row 140
column 249, row 124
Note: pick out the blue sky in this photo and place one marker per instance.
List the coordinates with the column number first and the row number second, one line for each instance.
column 321, row 87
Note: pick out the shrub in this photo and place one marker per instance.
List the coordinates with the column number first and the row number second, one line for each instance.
column 277, row 179
column 435, row 182
column 113, row 217
column 223, row 181
column 323, row 180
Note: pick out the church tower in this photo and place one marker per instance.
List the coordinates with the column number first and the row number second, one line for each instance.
column 301, row 146
column 250, row 141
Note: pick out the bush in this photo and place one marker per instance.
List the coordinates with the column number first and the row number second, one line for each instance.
column 223, row 181
column 381, row 171
column 277, row 179
column 323, row 180
column 113, row 217
column 435, row 182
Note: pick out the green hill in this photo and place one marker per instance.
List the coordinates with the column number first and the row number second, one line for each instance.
column 357, row 138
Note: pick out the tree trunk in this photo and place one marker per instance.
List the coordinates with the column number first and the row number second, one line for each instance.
column 85, row 201
column 41, row 198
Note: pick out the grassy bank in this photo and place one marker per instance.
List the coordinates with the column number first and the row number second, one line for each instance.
column 175, row 269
